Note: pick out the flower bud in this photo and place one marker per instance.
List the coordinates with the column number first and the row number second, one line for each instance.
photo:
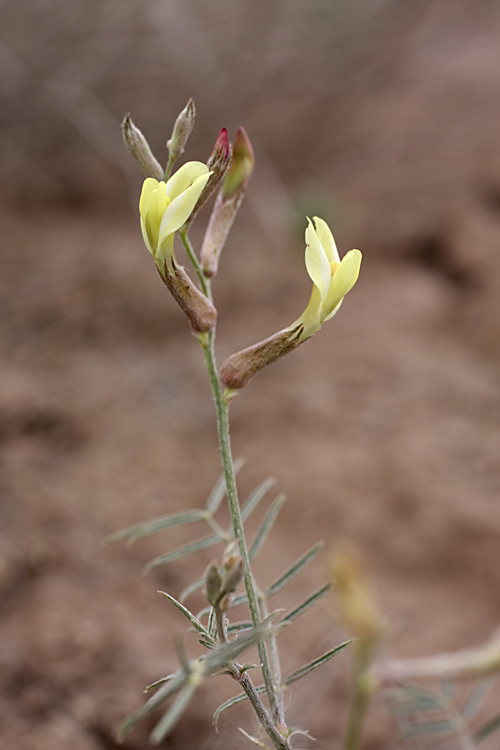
column 356, row 602
column 241, row 167
column 213, row 581
column 221, row 151
column 231, row 556
column 138, row 148
column 228, row 202
column 182, row 130
column 233, row 569
column 232, row 577
column 217, row 163
column 239, row 368
column 198, row 308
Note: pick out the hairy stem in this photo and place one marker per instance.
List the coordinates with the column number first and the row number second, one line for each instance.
column 222, row 409
column 274, row 725
column 276, row 737
column 239, row 674
column 169, row 166
column 204, row 283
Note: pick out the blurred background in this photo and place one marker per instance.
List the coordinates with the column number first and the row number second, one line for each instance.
column 381, row 116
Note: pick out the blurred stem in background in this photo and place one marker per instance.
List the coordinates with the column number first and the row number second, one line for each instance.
column 360, row 613
column 361, row 691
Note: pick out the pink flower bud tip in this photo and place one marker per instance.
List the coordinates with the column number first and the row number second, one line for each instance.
column 222, row 144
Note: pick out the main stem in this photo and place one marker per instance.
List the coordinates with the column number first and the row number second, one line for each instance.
column 222, row 408
column 276, row 729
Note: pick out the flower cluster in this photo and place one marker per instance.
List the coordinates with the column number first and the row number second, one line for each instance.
column 169, row 207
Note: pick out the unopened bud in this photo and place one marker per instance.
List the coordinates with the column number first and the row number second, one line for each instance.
column 356, row 602
column 232, row 577
column 233, row 568
column 228, row 202
column 221, row 151
column 138, row 148
column 239, row 368
column 198, row 308
column 226, row 602
column 182, row 130
column 213, row 581
column 241, row 166
column 231, row 556
column 217, row 163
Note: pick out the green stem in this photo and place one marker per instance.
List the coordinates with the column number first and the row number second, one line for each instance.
column 275, row 727
column 360, row 696
column 169, row 166
column 204, row 283
column 222, row 409
column 246, row 683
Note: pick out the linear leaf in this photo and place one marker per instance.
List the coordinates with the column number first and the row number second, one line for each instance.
column 219, row 489
column 220, row 656
column 253, row 740
column 266, row 526
column 411, row 693
column 159, row 682
column 491, row 726
column 207, row 644
column 147, row 528
column 307, row 668
column 174, row 713
column 476, row 696
column 192, row 619
column 233, row 702
column 298, row 611
column 412, row 701
column 172, row 686
column 195, row 586
column 236, row 627
column 293, row 570
column 196, row 671
column 240, row 599
column 212, row 623
column 255, row 497
column 431, row 727
column 187, row 549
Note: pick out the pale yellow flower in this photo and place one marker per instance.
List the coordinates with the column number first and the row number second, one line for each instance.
column 332, row 277
column 164, row 208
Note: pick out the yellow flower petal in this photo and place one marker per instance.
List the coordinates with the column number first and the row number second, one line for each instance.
column 343, row 280
column 184, row 178
column 311, row 317
column 146, row 238
column 157, row 203
column 149, row 185
column 164, row 253
column 181, row 207
column 326, row 238
column 317, row 264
